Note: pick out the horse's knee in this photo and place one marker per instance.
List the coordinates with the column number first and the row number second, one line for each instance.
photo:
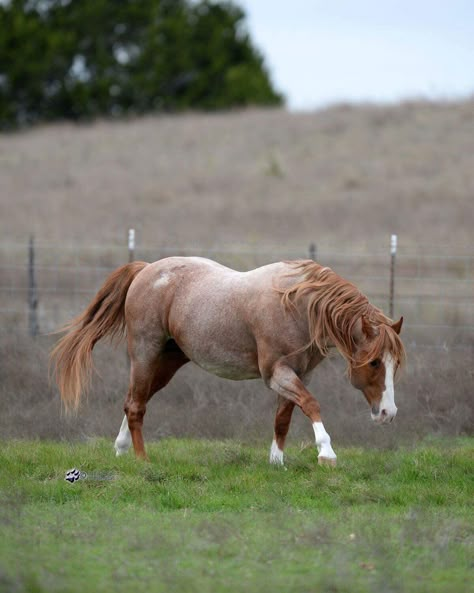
column 135, row 412
column 311, row 408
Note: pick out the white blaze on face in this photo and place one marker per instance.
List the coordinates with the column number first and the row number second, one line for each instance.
column 387, row 402
column 124, row 438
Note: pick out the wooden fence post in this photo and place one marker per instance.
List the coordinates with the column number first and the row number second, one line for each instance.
column 312, row 251
column 393, row 255
column 33, row 325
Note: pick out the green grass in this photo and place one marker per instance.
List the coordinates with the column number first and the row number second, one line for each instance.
column 215, row 516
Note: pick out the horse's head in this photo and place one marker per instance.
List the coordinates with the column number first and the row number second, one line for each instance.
column 376, row 358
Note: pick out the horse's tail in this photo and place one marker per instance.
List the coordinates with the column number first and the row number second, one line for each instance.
column 71, row 359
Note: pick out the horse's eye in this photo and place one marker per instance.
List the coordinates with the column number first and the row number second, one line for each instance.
column 375, row 363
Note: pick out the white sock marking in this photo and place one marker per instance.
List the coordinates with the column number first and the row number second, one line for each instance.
column 124, row 438
column 276, row 454
column 323, row 441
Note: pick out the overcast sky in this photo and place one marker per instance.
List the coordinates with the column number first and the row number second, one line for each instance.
column 324, row 51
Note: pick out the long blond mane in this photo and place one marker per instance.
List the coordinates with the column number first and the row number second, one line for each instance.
column 334, row 306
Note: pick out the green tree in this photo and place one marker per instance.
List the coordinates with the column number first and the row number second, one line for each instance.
column 78, row 59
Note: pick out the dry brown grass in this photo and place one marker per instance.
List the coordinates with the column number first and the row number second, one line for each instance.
column 434, row 396
column 342, row 176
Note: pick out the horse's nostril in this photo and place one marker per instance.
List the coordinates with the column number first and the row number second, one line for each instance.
column 383, row 413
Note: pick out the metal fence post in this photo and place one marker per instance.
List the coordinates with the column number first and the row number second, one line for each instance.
column 131, row 245
column 393, row 255
column 32, row 291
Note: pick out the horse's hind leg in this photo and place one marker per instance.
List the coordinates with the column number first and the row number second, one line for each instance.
column 146, row 378
column 124, row 438
column 282, row 424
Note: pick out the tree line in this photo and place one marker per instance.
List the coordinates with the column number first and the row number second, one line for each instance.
column 79, row 59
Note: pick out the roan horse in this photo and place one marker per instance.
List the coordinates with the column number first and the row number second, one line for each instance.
column 277, row 322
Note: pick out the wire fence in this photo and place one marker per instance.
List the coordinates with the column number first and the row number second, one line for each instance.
column 43, row 285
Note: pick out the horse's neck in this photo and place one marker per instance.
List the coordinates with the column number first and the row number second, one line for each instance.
column 323, row 327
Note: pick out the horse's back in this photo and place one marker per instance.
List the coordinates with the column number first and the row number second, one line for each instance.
column 190, row 286
column 211, row 311
column 190, row 272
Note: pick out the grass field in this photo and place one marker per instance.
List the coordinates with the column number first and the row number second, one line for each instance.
column 215, row 516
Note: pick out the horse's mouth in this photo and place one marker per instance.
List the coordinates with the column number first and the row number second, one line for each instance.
column 383, row 418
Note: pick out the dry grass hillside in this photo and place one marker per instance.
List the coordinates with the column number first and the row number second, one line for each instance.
column 342, row 176
column 346, row 178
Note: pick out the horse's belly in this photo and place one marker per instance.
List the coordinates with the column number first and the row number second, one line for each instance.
column 209, row 325
column 224, row 362
column 228, row 370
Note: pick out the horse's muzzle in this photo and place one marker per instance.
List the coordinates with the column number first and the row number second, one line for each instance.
column 384, row 416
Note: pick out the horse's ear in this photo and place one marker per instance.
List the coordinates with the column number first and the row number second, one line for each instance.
column 362, row 330
column 357, row 332
column 398, row 326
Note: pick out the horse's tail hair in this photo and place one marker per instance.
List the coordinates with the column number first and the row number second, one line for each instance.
column 71, row 359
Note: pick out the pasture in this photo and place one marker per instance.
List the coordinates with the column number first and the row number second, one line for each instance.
column 212, row 514
column 215, row 516
column 345, row 177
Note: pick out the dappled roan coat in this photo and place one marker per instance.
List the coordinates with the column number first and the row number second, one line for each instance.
column 277, row 322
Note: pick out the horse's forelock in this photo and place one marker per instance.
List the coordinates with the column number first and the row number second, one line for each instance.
column 386, row 341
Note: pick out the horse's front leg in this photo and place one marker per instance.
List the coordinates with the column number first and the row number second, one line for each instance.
column 282, row 424
column 284, row 381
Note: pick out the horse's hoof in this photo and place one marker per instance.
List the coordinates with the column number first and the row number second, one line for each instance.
column 330, row 461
